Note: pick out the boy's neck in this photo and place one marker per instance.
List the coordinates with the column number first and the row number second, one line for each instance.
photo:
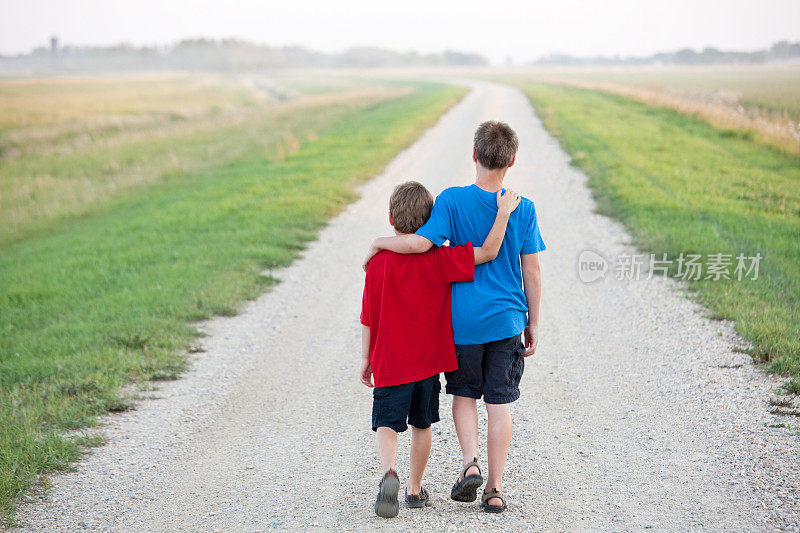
column 399, row 233
column 490, row 180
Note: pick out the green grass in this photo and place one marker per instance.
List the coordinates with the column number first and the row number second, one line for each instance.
column 682, row 186
column 146, row 136
column 772, row 88
column 97, row 301
column 762, row 102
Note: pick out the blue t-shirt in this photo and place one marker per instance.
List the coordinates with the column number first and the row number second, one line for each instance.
column 493, row 307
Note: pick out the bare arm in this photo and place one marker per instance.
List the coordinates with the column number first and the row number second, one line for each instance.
column 409, row 243
column 532, row 283
column 417, row 244
column 491, row 245
column 365, row 374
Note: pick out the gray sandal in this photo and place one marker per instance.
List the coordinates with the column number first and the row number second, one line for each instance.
column 466, row 487
column 418, row 501
column 494, row 493
column 386, row 504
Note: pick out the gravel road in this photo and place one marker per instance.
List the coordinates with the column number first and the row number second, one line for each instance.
column 636, row 411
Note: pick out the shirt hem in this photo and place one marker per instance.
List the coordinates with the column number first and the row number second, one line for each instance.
column 542, row 249
column 406, row 381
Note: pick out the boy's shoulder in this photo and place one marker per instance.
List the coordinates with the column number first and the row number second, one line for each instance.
column 455, row 198
column 385, row 262
column 381, row 263
column 525, row 210
column 378, row 261
column 455, row 192
column 526, row 205
column 458, row 190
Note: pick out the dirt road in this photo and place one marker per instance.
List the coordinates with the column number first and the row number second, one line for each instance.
column 636, row 412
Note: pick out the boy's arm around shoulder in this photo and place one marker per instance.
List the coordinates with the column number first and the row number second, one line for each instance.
column 506, row 204
column 410, row 243
column 435, row 231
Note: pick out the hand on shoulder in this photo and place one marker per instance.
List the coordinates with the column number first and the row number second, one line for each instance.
column 507, row 202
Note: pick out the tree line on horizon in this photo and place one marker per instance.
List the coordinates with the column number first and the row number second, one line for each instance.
column 239, row 55
column 780, row 51
column 225, row 54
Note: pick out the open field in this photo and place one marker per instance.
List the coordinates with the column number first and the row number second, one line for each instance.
column 71, row 144
column 122, row 239
column 126, row 217
column 763, row 102
column 635, row 413
column 681, row 186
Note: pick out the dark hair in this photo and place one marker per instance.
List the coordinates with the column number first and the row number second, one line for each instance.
column 410, row 206
column 495, row 144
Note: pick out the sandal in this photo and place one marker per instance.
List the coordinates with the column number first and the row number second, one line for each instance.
column 466, row 487
column 494, row 493
column 386, row 505
column 418, row 501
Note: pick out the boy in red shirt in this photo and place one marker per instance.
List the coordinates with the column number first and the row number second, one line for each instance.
column 407, row 335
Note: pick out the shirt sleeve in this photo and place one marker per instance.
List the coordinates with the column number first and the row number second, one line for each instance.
column 533, row 242
column 456, row 263
column 365, row 300
column 438, row 228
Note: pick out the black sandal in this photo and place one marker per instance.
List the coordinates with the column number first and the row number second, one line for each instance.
column 418, row 501
column 494, row 493
column 386, row 504
column 466, row 487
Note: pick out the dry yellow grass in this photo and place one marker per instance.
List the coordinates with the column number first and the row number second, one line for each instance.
column 722, row 111
column 762, row 102
column 48, row 101
column 74, row 143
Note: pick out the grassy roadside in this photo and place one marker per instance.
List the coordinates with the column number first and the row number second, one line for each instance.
column 761, row 102
column 98, row 301
column 682, row 186
column 69, row 161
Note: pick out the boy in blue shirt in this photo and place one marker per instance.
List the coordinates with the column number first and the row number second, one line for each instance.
column 489, row 314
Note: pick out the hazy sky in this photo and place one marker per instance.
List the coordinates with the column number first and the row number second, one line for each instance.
column 497, row 28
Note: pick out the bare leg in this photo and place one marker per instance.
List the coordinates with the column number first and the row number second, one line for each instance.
column 387, row 448
column 420, row 451
column 497, row 443
column 465, row 416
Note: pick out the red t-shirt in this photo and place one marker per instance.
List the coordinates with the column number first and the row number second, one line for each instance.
column 406, row 305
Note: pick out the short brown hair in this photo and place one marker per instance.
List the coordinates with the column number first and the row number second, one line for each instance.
column 495, row 144
column 410, row 206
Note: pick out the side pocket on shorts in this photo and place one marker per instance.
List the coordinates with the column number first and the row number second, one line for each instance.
column 380, row 392
column 518, row 367
column 379, row 395
column 453, row 378
column 433, row 415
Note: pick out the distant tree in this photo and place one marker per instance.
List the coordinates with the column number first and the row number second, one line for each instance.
column 686, row 56
column 458, row 58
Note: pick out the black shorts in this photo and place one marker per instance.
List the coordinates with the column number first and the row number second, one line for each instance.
column 417, row 402
column 492, row 370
